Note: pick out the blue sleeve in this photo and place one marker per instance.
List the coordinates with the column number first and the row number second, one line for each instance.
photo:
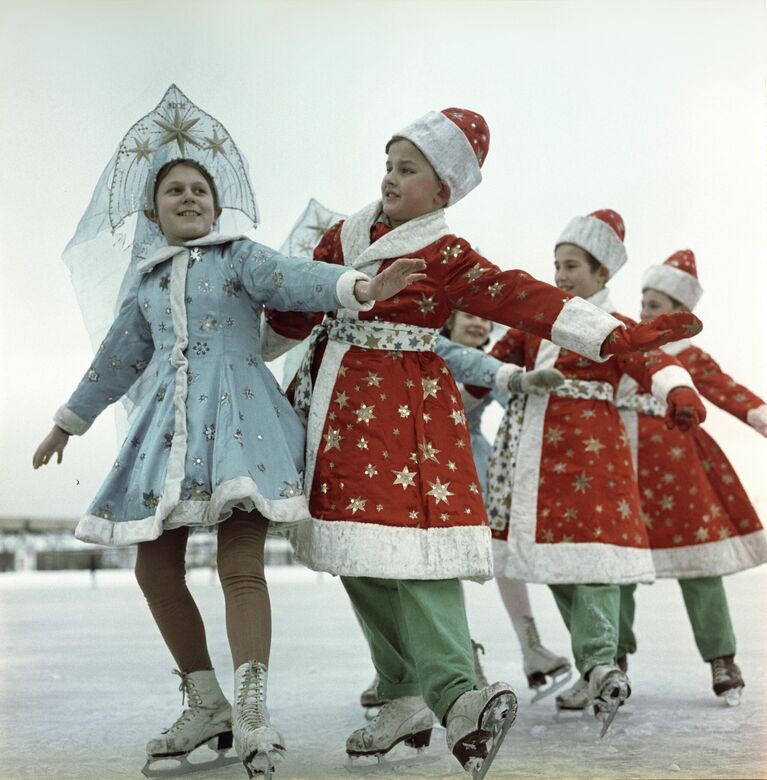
column 469, row 366
column 120, row 360
column 295, row 283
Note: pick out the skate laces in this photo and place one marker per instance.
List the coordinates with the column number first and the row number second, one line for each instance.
column 251, row 697
column 190, row 693
column 722, row 670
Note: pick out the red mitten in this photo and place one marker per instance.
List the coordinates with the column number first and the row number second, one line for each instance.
column 645, row 336
column 684, row 409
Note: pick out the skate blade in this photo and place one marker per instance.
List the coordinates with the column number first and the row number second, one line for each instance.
column 607, row 716
column 262, row 764
column 733, row 697
column 357, row 765
column 183, row 766
column 557, row 682
column 497, row 719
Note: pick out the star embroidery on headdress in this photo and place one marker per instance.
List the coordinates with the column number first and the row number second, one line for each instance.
column 142, row 149
column 216, row 144
column 178, row 131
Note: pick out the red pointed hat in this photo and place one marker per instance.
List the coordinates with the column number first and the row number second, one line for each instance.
column 677, row 277
column 455, row 142
column 601, row 234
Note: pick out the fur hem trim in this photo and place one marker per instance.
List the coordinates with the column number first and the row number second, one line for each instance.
column 372, row 550
column 582, row 327
column 712, row 559
column 240, row 493
column 68, row 421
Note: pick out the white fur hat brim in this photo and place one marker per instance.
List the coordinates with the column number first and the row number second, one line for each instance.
column 674, row 282
column 598, row 239
column 448, row 151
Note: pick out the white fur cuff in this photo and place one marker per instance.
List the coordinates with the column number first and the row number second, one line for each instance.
column 582, row 327
column 345, row 291
column 504, row 375
column 68, row 421
column 665, row 380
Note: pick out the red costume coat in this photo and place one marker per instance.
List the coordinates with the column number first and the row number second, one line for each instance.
column 699, row 519
column 392, row 484
column 563, row 499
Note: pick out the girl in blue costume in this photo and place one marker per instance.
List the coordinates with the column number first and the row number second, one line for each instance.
column 213, row 442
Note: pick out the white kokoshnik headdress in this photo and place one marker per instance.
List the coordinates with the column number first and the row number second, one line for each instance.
column 114, row 236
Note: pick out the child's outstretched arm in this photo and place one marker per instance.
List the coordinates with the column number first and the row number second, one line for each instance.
column 119, row 361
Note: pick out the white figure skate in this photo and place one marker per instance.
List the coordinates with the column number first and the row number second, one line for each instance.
column 477, row 724
column 259, row 746
column 608, row 688
column 540, row 663
column 207, row 720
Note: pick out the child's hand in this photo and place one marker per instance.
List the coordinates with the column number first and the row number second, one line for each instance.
column 684, row 409
column 391, row 280
column 650, row 335
column 55, row 441
column 541, row 381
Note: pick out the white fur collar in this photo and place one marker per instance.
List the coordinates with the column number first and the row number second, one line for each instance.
column 602, row 299
column 166, row 252
column 675, row 347
column 400, row 242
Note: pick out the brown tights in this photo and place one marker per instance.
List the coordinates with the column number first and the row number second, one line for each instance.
column 161, row 575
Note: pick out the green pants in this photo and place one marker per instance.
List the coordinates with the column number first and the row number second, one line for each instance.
column 707, row 609
column 591, row 614
column 418, row 637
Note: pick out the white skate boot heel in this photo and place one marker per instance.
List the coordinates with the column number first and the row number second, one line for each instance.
column 477, row 724
column 207, row 720
column 259, row 746
column 609, row 688
column 407, row 720
column 540, row 663
column 574, row 700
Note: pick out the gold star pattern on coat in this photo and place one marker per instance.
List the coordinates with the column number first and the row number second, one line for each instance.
column 426, row 304
column 341, row 399
column 450, row 253
column 581, row 483
column 440, row 491
column 406, row 478
column 373, row 379
column 371, row 471
column 365, row 413
column 554, row 435
column 474, row 273
column 430, row 387
column 592, row 444
column 458, row 417
column 494, row 290
column 428, row 451
column 178, row 131
column 357, row 505
column 332, row 439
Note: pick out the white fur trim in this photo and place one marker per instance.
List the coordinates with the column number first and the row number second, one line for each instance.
column 674, row 282
column 669, row 377
column 757, row 417
column 241, row 492
column 448, row 150
column 504, row 375
column 272, row 344
column 598, row 239
column 372, row 550
column 322, row 392
column 712, row 559
column 166, row 252
column 676, row 347
column 582, row 327
column 68, row 421
column 345, row 291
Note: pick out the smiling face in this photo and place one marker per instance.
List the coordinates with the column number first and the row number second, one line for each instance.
column 410, row 187
column 469, row 330
column 574, row 272
column 655, row 303
column 185, row 207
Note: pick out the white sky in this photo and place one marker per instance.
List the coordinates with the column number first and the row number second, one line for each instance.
column 654, row 109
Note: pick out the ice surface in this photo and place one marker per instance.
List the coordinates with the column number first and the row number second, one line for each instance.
column 85, row 681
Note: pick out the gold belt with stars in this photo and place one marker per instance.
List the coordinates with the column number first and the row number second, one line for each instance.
column 583, row 388
column 644, row 404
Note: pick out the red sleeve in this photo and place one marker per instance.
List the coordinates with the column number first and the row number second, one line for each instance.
column 510, row 348
column 514, row 298
column 716, row 386
column 298, row 325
